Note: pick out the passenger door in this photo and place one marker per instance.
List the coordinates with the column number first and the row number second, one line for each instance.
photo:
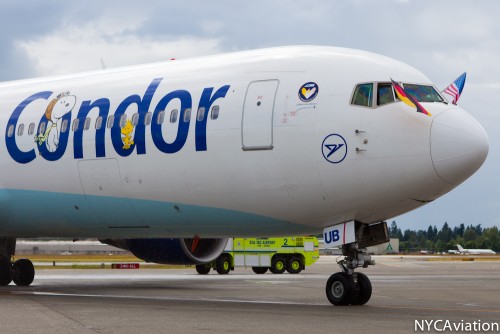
column 257, row 123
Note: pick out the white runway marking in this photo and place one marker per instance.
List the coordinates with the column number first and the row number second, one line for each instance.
column 174, row 277
column 167, row 298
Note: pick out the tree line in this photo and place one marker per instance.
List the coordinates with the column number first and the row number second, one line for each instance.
column 446, row 238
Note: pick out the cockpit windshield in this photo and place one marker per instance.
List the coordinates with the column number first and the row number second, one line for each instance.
column 423, row 93
column 377, row 94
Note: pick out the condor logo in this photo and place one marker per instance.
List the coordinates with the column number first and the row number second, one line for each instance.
column 334, row 148
column 53, row 134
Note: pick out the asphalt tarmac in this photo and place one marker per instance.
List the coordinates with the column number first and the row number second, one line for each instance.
column 405, row 290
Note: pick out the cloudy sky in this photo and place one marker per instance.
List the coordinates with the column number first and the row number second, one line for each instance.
column 441, row 38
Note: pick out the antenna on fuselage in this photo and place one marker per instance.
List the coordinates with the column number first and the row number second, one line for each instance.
column 103, row 64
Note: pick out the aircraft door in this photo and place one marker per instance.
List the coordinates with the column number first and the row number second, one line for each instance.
column 257, row 122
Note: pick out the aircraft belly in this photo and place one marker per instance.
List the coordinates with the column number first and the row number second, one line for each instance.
column 52, row 214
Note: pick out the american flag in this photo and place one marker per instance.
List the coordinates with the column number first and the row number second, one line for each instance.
column 456, row 87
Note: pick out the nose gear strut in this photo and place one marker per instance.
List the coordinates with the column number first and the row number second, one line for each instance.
column 349, row 287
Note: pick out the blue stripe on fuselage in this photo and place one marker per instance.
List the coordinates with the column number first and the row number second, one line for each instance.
column 29, row 213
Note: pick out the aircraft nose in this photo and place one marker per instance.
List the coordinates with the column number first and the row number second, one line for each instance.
column 459, row 145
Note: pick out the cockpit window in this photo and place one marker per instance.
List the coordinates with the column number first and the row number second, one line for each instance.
column 423, row 93
column 363, row 95
column 385, row 94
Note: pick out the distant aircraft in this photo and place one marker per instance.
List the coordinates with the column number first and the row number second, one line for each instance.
column 474, row 251
column 168, row 160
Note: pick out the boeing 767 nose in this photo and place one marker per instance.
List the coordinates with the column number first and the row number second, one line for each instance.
column 459, row 145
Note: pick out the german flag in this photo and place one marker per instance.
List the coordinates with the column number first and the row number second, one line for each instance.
column 408, row 99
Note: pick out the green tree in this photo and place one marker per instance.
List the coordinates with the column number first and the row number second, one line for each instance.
column 458, row 231
column 470, row 235
column 430, row 233
column 440, row 246
column 445, row 234
column 412, row 236
column 400, row 234
column 492, row 238
column 393, row 230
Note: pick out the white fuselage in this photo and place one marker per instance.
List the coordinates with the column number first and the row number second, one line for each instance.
column 258, row 168
column 478, row 251
column 471, row 251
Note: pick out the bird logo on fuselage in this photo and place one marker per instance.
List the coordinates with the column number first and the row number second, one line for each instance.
column 126, row 132
column 334, row 148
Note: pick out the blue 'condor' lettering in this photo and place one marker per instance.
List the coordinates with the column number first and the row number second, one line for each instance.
column 86, row 107
column 207, row 99
column 12, row 148
column 143, row 107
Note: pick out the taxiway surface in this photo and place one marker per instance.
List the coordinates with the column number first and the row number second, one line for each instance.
column 180, row 301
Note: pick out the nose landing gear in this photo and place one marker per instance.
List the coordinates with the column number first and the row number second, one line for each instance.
column 349, row 287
